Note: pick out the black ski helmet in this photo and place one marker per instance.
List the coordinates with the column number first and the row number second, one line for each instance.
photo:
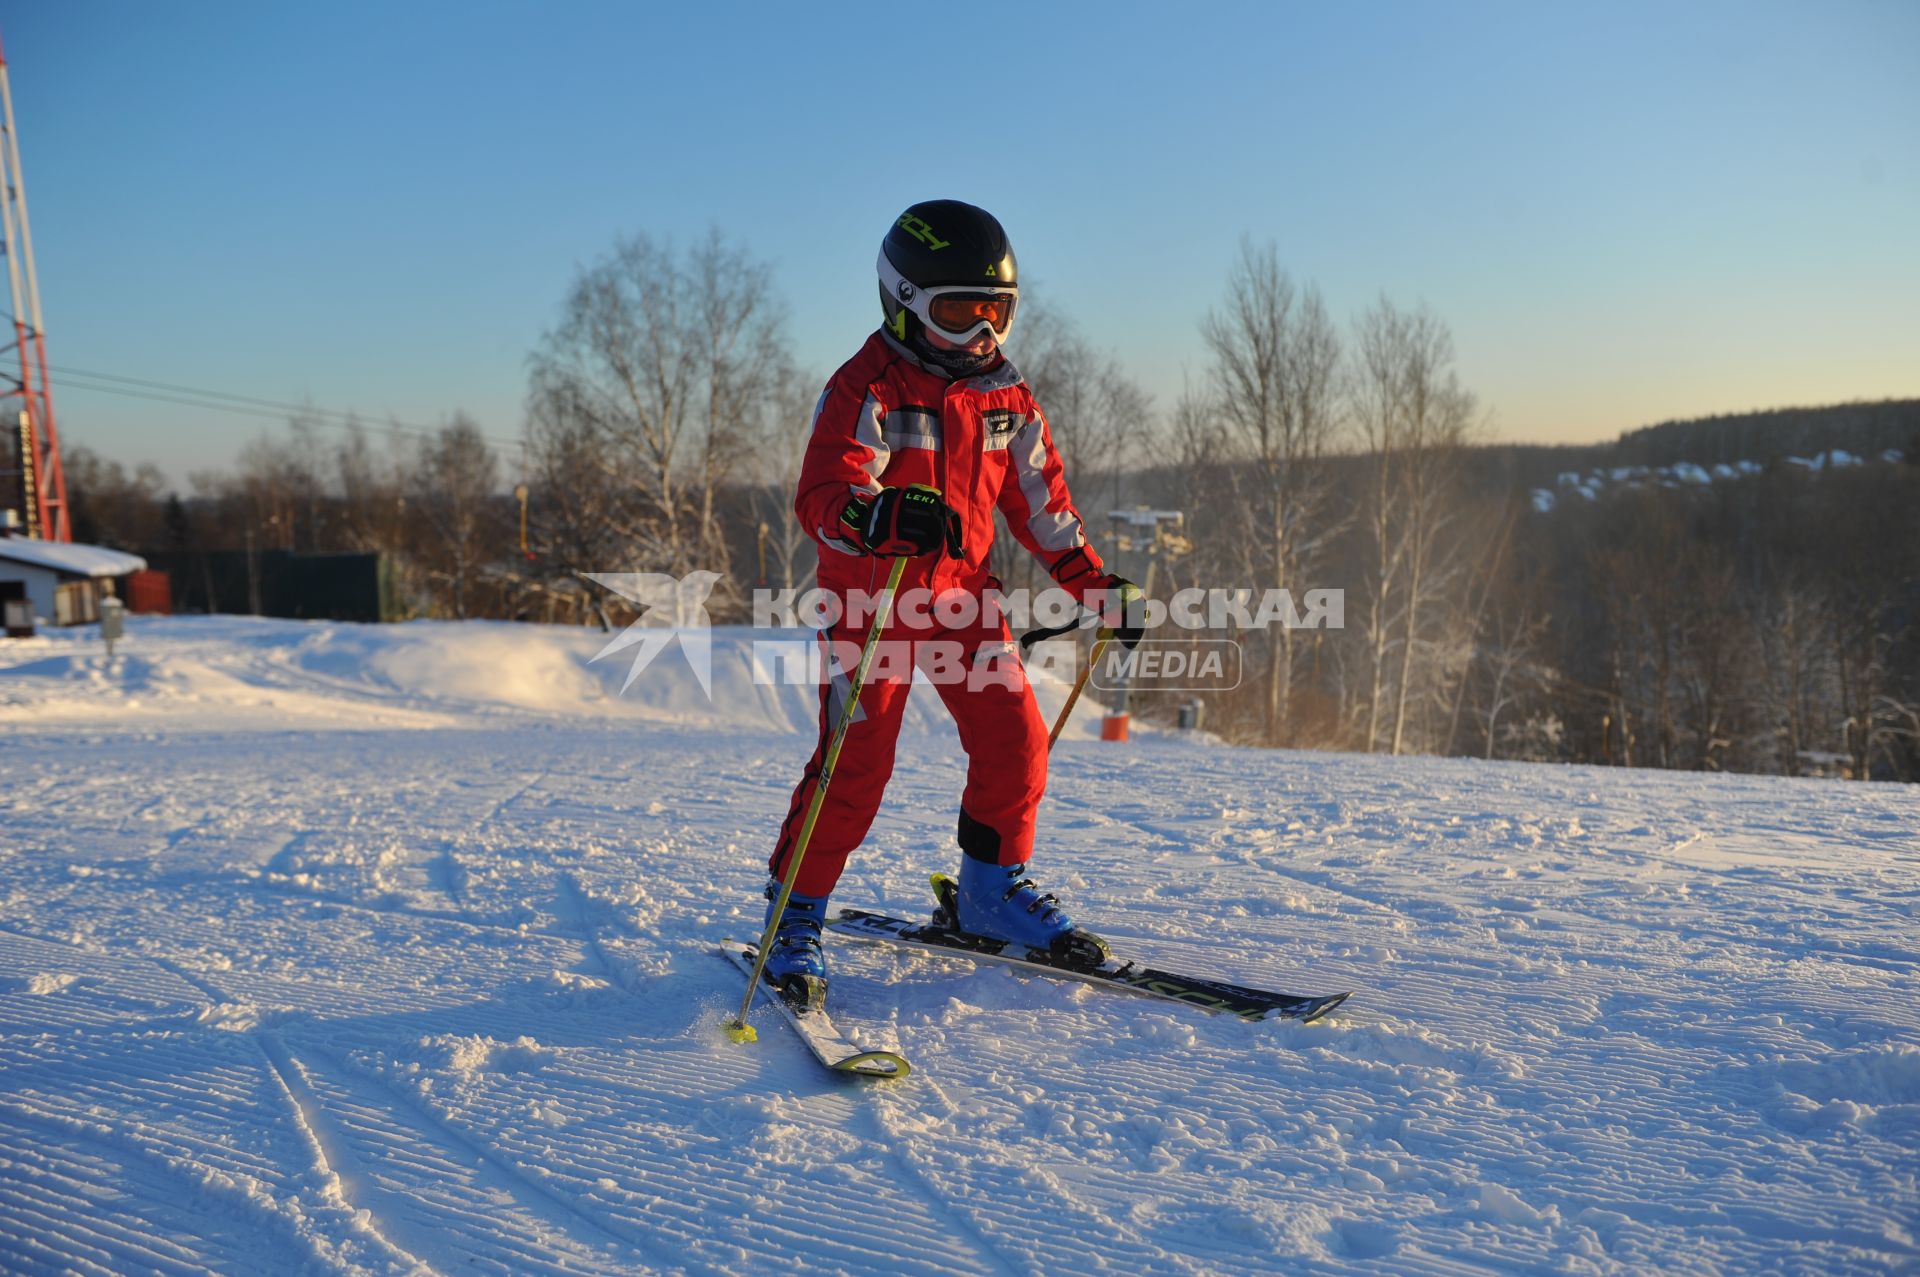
column 953, row 255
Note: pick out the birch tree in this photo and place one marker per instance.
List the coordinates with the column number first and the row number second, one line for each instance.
column 664, row 373
column 1276, row 356
column 1413, row 417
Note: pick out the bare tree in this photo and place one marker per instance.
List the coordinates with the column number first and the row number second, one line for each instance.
column 1868, row 587
column 309, row 462
column 1483, row 583
column 581, row 506
column 1509, row 659
column 665, row 369
column 275, row 488
column 372, row 493
column 111, row 506
column 453, row 486
column 1413, row 416
column 1797, row 665
column 784, row 548
column 1100, row 416
column 1276, row 357
column 1715, row 661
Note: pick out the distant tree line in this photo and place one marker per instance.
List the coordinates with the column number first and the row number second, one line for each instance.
column 1761, row 622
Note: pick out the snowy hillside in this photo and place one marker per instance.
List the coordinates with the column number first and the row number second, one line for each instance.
column 390, row 950
column 223, row 673
column 1685, row 474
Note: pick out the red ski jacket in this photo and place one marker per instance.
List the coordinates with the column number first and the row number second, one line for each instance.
column 885, row 420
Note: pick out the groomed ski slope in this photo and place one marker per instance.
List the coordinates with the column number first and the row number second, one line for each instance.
column 349, row 949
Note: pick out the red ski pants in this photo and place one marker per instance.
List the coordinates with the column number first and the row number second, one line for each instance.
column 978, row 675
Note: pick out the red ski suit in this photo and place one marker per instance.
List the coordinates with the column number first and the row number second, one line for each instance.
column 886, row 420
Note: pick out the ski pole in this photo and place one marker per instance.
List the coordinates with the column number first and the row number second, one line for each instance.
column 738, row 1029
column 1100, row 642
column 1059, row 724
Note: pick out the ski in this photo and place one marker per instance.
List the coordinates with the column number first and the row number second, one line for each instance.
column 1216, row 996
column 829, row 1045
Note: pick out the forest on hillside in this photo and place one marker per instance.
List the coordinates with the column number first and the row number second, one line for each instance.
column 1735, row 593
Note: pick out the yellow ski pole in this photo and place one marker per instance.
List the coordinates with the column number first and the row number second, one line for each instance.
column 1099, row 645
column 738, row 1029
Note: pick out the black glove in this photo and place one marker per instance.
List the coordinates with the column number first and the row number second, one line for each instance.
column 1123, row 609
column 902, row 522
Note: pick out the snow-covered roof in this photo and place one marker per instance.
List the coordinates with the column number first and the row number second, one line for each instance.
column 67, row 557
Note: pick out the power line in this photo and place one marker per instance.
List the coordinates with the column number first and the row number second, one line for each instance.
column 224, row 407
column 244, row 405
column 281, row 404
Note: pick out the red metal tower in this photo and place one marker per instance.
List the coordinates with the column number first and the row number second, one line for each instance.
column 43, row 483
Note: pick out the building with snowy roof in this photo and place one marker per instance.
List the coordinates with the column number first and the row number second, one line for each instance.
column 63, row 581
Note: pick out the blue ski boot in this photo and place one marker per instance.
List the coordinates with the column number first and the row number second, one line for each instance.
column 795, row 964
column 999, row 902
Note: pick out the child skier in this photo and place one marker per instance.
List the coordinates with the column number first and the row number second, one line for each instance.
column 931, row 402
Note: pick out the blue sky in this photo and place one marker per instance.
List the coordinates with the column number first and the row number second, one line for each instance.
column 1627, row 212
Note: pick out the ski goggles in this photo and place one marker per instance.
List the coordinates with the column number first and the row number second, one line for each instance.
column 963, row 312
column 958, row 312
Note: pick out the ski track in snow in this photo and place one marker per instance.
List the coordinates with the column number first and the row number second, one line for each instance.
column 440, row 997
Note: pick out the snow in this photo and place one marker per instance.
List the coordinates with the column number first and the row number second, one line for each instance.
column 1836, row 459
column 69, row 557
column 1684, row 474
column 388, row 950
column 219, row 673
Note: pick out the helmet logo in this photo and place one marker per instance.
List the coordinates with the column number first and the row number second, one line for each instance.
column 905, row 290
column 922, row 232
column 993, row 272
